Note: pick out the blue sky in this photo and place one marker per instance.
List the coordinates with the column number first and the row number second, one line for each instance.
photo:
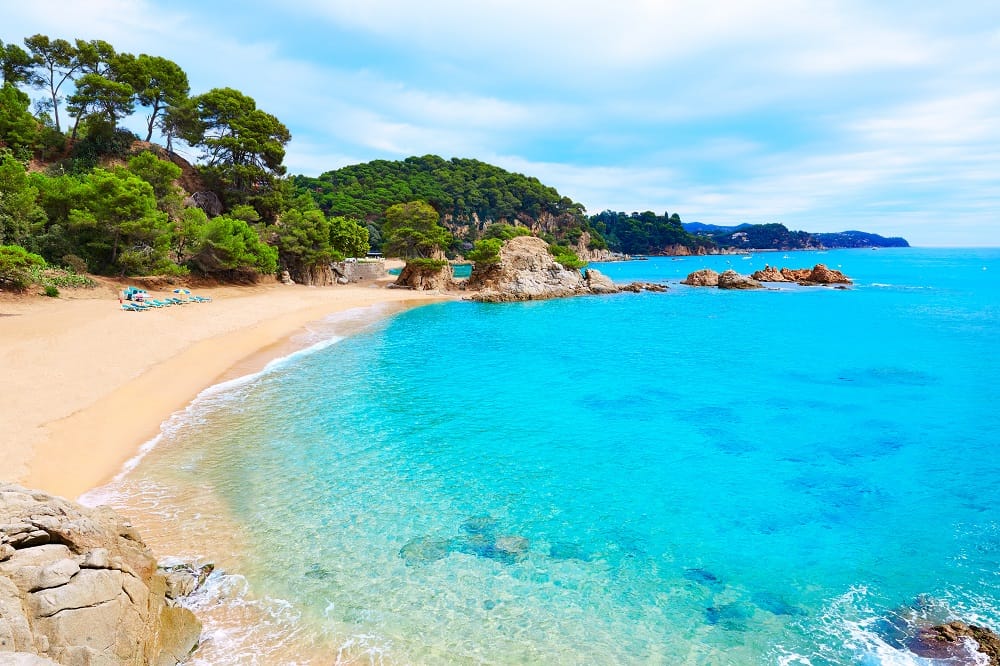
column 822, row 115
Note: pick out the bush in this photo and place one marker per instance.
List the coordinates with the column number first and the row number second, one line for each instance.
column 17, row 266
column 51, row 291
column 485, row 251
column 75, row 263
column 566, row 257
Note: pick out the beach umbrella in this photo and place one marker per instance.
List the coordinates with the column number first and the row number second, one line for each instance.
column 182, row 291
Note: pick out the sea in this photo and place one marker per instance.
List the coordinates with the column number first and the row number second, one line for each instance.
column 791, row 476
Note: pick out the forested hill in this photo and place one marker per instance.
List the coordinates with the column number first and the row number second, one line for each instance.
column 468, row 194
column 778, row 237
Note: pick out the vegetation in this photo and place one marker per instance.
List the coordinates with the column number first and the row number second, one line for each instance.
column 485, row 251
column 411, row 231
column 644, row 233
column 468, row 196
column 778, row 237
column 567, row 257
column 16, row 265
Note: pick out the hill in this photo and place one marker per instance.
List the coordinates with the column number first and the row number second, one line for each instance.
column 469, row 195
column 775, row 236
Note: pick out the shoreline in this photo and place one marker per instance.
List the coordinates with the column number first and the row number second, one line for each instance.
column 91, row 385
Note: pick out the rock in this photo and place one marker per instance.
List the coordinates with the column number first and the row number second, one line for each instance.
column 945, row 641
column 80, row 587
column 184, row 578
column 207, row 201
column 706, row 277
column 769, row 274
column 286, row 278
column 732, row 280
column 416, row 275
column 526, row 271
column 820, row 274
column 598, row 283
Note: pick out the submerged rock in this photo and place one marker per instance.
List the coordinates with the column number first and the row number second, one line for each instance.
column 704, row 577
column 775, row 604
column 732, row 616
column 78, row 586
column 426, row 550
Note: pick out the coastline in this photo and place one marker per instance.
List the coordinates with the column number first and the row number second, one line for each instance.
column 89, row 385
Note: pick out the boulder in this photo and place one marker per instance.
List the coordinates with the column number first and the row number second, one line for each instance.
column 207, row 201
column 526, row 271
column 706, row 277
column 820, row 274
column 416, row 275
column 769, row 274
column 732, row 280
column 947, row 642
column 78, row 586
column 598, row 283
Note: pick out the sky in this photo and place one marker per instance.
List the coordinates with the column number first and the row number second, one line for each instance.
column 823, row 115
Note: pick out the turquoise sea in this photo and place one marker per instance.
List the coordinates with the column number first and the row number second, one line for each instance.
column 693, row 477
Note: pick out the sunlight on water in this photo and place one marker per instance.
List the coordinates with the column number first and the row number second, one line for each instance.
column 696, row 477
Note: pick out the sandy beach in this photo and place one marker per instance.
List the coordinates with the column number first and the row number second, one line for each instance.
column 86, row 384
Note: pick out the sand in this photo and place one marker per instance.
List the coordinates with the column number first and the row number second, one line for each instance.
column 85, row 384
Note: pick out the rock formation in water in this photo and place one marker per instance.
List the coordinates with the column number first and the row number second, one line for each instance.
column 429, row 277
column 78, row 586
column 527, row 271
column 945, row 641
column 819, row 274
column 732, row 280
column 706, row 277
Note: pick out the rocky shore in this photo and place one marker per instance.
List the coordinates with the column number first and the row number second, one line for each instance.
column 78, row 586
column 817, row 275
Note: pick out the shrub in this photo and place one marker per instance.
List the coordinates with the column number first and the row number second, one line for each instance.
column 51, row 291
column 485, row 251
column 566, row 257
column 427, row 264
column 17, row 265
column 75, row 263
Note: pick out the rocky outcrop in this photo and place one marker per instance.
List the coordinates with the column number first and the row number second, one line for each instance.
column 732, row 280
column 706, row 277
column 207, row 201
column 424, row 277
column 526, row 271
column 818, row 274
column 78, row 586
column 945, row 642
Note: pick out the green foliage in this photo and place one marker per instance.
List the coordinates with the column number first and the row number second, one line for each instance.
column 348, row 238
column 243, row 146
column 16, row 265
column 52, row 291
column 411, row 230
column 188, row 230
column 16, row 65
column 74, row 263
column 19, row 209
column 303, row 240
column 566, row 257
column 485, row 251
column 19, row 130
column 159, row 84
column 232, row 248
column 643, row 233
column 160, row 174
column 57, row 61
column 505, row 231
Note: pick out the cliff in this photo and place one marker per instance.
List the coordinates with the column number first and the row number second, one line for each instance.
column 78, row 586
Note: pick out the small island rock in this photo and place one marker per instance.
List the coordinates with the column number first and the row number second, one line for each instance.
column 706, row 277
column 732, row 280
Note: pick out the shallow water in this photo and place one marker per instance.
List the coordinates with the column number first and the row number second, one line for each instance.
column 695, row 477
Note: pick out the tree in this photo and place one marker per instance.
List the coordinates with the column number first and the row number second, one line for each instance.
column 57, row 59
column 411, row 230
column 231, row 246
column 160, row 174
column 485, row 251
column 187, row 231
column 303, row 240
column 19, row 209
column 348, row 237
column 18, row 128
column 159, row 84
column 16, row 65
column 243, row 146
column 113, row 99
